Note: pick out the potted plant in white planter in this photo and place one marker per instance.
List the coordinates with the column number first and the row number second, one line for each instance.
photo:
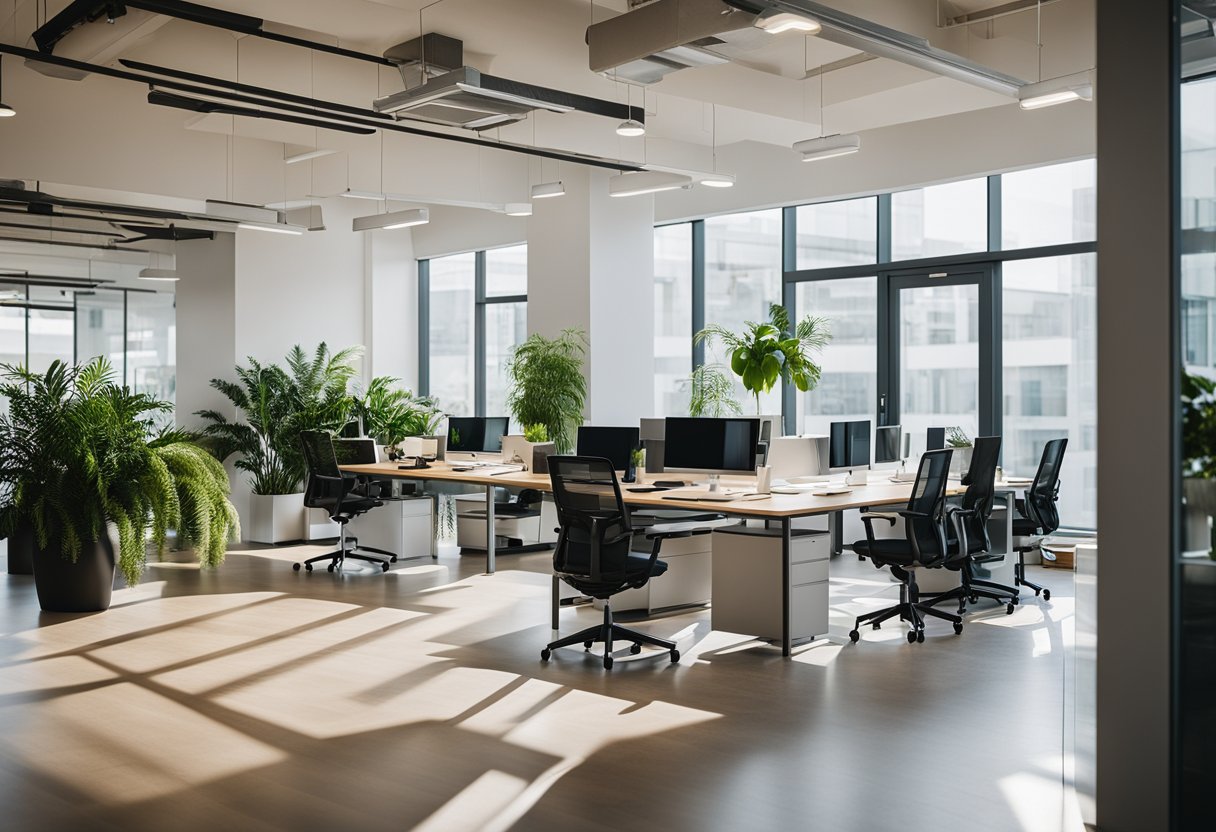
column 547, row 386
column 83, row 467
column 960, row 460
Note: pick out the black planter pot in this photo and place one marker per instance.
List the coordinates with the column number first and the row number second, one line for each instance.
column 21, row 551
column 83, row 586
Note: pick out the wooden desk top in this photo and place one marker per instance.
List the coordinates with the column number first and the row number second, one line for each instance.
column 772, row 506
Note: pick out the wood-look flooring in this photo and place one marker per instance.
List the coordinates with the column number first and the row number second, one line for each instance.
column 253, row 697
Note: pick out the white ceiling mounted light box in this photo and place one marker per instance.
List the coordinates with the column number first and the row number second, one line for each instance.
column 646, row 182
column 392, row 220
column 548, row 190
column 1062, row 90
column 828, row 147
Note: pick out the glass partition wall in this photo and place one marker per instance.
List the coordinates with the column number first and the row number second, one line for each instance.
column 969, row 304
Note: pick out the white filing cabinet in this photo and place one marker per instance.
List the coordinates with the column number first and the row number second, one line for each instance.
column 404, row 527
column 747, row 582
column 471, row 523
column 686, row 583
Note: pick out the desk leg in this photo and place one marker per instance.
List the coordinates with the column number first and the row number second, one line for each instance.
column 490, row 530
column 786, row 640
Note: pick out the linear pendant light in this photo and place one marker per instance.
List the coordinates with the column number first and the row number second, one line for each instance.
column 167, row 275
column 548, row 190
column 1078, row 87
column 828, row 147
column 646, row 182
column 392, row 220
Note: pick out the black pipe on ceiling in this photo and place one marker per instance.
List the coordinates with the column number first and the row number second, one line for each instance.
column 198, row 105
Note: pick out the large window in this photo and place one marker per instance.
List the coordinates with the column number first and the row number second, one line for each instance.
column 941, row 314
column 742, row 277
column 477, row 312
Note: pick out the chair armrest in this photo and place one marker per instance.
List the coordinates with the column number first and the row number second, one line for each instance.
column 870, row 516
column 663, row 531
column 868, row 520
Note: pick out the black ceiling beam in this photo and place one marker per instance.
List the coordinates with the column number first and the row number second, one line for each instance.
column 60, row 230
column 24, row 211
column 395, row 126
column 72, row 245
column 198, row 105
column 79, row 12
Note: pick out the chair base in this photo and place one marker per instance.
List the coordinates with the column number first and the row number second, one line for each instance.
column 971, row 589
column 608, row 632
column 1019, row 573
column 908, row 609
column 338, row 558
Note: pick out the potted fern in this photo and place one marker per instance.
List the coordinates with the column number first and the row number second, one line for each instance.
column 547, row 385
column 769, row 351
column 83, row 467
column 390, row 413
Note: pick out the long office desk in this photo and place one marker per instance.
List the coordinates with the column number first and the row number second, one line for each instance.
column 779, row 508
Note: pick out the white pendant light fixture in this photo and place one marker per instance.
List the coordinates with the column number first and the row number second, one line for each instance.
column 631, row 127
column 1078, row 87
column 1053, row 91
column 392, row 220
column 548, row 190
column 776, row 24
column 5, row 110
column 518, row 209
column 159, row 273
column 827, row 146
column 646, row 182
column 273, row 228
column 306, row 155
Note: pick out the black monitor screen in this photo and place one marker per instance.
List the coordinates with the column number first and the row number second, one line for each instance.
column 711, row 444
column 476, row 434
column 886, row 444
column 615, row 444
column 935, row 439
column 355, row 451
column 849, row 444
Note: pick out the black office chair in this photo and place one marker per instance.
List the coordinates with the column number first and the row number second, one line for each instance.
column 968, row 532
column 1038, row 516
column 593, row 552
column 924, row 545
column 342, row 497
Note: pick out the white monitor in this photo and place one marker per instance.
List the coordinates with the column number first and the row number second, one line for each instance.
column 799, row 457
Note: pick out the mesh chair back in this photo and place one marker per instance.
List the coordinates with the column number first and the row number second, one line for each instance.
column 586, row 488
column 981, row 487
column 928, row 534
column 1045, row 490
column 321, row 461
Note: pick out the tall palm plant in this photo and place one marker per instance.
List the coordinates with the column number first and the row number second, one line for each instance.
column 390, row 412
column 770, row 350
column 547, row 385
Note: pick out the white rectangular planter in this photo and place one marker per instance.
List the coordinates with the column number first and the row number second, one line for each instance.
column 274, row 518
column 317, row 525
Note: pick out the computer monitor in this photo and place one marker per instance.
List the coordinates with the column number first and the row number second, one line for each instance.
column 355, row 451
column 476, row 434
column 935, row 439
column 615, row 444
column 352, row 429
column 798, row 457
column 713, row 446
column 849, row 445
column 887, row 444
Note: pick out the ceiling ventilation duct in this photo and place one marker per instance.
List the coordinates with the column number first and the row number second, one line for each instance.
column 662, row 37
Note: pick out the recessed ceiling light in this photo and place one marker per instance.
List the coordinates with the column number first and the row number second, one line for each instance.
column 631, row 128
column 788, row 22
column 828, row 147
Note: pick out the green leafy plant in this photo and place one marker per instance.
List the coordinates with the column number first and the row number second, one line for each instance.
column 547, row 384
column 78, row 451
column 638, row 457
column 276, row 405
column 390, row 412
column 1198, row 426
column 536, row 433
column 711, row 393
column 770, row 350
column 956, row 437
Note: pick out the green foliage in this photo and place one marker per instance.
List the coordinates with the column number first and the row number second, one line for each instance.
column 769, row 351
column 711, row 393
column 1198, row 426
column 956, row 437
column 536, row 433
column 390, row 412
column 547, row 385
column 638, row 457
column 77, row 452
column 276, row 405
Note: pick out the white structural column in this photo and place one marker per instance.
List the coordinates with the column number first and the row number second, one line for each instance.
column 391, row 306
column 206, row 325
column 591, row 265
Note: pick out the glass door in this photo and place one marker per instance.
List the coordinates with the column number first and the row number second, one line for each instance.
column 940, row 335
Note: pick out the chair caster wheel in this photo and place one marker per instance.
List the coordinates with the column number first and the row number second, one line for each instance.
column 607, row 662
column 1047, row 595
column 958, row 629
column 912, row 637
column 1009, row 609
column 875, row 626
column 634, row 649
column 295, row 567
column 545, row 654
column 920, row 636
column 384, row 567
column 974, row 599
column 854, row 635
column 308, row 567
column 393, row 559
column 587, row 645
column 675, row 656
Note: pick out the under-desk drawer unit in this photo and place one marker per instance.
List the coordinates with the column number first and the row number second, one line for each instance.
column 747, row 582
